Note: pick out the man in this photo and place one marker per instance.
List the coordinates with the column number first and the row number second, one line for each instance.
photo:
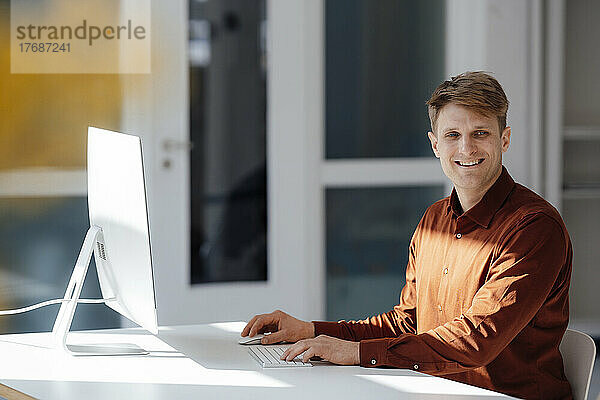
column 487, row 281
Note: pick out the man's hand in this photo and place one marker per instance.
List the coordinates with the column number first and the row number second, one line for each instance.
column 335, row 350
column 283, row 326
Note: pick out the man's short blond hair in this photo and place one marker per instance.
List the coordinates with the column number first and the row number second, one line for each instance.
column 478, row 91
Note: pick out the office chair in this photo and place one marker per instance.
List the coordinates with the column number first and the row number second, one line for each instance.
column 578, row 351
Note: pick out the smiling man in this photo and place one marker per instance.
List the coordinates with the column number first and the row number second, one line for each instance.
column 487, row 281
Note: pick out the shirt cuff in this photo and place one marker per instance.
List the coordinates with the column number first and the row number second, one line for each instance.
column 373, row 352
column 327, row 328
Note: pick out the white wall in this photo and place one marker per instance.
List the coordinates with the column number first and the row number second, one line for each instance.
column 503, row 37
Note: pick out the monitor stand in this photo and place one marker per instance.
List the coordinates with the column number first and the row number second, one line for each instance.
column 62, row 325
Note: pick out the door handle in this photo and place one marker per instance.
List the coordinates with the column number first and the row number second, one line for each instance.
column 171, row 145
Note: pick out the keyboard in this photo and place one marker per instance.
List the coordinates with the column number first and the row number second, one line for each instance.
column 269, row 357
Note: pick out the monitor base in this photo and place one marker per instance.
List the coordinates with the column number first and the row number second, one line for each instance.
column 106, row 349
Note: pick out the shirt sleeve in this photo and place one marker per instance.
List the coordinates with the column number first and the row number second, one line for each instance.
column 401, row 319
column 523, row 274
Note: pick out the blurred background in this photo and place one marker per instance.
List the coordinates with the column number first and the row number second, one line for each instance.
column 285, row 148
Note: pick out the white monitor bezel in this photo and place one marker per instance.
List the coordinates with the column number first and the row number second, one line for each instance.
column 118, row 206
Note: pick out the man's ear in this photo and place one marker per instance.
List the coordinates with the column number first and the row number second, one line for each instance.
column 434, row 143
column 505, row 138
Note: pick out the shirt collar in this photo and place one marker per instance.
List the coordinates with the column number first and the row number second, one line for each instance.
column 483, row 212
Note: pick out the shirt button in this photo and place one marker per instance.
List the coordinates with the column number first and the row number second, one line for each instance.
column 458, row 235
column 373, row 361
column 445, row 271
column 439, row 308
column 416, row 366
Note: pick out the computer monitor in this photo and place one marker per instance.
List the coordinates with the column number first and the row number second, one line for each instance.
column 119, row 238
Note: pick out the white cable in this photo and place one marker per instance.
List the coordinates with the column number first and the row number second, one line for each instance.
column 49, row 303
column 93, row 301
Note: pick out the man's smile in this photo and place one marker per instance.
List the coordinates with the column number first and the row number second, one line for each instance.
column 469, row 164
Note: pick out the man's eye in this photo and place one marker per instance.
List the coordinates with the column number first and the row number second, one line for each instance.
column 481, row 133
column 452, row 134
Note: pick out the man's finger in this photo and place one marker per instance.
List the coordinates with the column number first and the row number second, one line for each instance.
column 296, row 349
column 308, row 354
column 261, row 321
column 289, row 349
column 285, row 353
column 274, row 337
column 246, row 329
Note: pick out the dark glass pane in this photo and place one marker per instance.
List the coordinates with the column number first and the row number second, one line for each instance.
column 367, row 237
column 581, row 168
column 40, row 239
column 383, row 60
column 581, row 215
column 228, row 132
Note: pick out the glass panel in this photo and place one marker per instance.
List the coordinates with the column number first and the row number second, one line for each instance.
column 581, row 85
column 581, row 217
column 368, row 233
column 40, row 239
column 228, row 132
column 43, row 124
column 383, row 59
column 44, row 117
column 581, row 168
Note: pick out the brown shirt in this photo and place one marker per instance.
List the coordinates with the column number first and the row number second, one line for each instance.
column 486, row 300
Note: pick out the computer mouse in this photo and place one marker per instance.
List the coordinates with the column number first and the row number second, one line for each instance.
column 251, row 340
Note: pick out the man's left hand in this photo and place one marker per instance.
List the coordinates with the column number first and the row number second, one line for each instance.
column 335, row 350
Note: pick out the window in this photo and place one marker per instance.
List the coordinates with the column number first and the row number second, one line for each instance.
column 228, row 178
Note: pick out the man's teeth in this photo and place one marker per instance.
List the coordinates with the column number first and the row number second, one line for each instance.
column 468, row 164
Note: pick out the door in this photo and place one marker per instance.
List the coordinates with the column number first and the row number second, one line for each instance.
column 227, row 156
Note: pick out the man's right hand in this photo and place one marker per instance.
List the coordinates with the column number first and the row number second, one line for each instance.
column 283, row 328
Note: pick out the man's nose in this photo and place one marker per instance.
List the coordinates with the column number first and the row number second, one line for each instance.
column 467, row 145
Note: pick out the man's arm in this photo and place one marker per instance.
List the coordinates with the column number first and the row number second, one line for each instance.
column 529, row 268
column 520, row 280
column 402, row 319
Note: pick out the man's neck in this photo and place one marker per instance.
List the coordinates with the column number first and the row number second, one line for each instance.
column 468, row 198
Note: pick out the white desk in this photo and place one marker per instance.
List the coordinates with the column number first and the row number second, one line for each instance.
column 200, row 362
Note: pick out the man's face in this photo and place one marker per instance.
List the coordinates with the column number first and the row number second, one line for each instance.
column 469, row 146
